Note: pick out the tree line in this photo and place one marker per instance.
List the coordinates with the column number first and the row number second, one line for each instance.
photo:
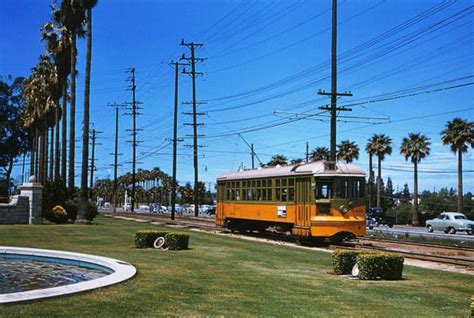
column 152, row 186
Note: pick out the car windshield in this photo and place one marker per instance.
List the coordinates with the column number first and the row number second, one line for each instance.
column 459, row 217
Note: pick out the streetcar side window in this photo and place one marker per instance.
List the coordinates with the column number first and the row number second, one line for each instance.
column 285, row 189
column 228, row 194
column 237, row 191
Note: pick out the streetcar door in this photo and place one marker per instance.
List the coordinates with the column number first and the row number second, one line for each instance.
column 303, row 204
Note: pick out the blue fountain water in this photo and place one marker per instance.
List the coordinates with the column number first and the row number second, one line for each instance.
column 23, row 272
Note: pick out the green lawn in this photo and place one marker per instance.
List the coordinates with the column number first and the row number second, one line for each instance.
column 224, row 276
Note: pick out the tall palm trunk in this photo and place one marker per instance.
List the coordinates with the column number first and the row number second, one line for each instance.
column 51, row 154
column 379, row 183
column 415, row 220
column 371, row 181
column 56, row 154
column 64, row 134
column 72, row 113
column 37, row 154
column 83, row 204
column 40, row 156
column 460, row 190
column 45, row 154
column 33, row 150
column 42, row 161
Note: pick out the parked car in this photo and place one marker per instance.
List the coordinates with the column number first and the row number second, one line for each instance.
column 370, row 222
column 451, row 222
column 376, row 217
column 211, row 210
column 144, row 208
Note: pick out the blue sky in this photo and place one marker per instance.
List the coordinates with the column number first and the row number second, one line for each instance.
column 404, row 61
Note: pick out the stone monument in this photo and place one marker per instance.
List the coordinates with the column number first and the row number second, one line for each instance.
column 34, row 191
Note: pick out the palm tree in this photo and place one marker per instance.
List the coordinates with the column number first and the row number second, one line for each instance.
column 277, row 160
column 41, row 92
column 59, row 45
column 459, row 134
column 371, row 151
column 319, row 153
column 347, row 151
column 72, row 16
column 382, row 147
column 415, row 147
column 83, row 203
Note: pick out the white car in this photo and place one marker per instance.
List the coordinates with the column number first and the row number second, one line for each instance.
column 144, row 208
column 450, row 222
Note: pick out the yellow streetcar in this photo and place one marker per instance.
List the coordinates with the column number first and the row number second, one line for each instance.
column 309, row 200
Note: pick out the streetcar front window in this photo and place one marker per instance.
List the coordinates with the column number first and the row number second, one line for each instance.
column 350, row 187
column 323, row 190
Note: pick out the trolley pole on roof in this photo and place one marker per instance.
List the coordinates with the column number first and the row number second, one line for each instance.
column 334, row 94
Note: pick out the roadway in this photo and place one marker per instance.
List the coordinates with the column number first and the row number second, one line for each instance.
column 420, row 232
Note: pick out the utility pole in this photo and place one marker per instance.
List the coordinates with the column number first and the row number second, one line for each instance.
column 134, row 140
column 253, row 156
column 92, row 167
column 175, row 137
column 307, row 152
column 334, row 94
column 116, row 154
column 192, row 60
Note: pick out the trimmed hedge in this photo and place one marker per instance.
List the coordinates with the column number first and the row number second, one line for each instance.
column 374, row 266
column 174, row 241
column 177, row 241
column 371, row 265
column 344, row 260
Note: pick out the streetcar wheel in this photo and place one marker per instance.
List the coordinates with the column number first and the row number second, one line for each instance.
column 390, row 225
column 452, row 230
column 430, row 228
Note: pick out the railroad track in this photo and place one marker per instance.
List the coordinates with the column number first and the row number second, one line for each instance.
column 458, row 256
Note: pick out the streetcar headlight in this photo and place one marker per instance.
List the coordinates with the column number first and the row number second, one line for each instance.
column 343, row 209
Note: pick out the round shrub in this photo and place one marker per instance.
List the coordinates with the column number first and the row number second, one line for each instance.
column 58, row 215
column 91, row 211
column 71, row 209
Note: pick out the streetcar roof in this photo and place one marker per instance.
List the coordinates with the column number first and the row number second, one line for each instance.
column 316, row 168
